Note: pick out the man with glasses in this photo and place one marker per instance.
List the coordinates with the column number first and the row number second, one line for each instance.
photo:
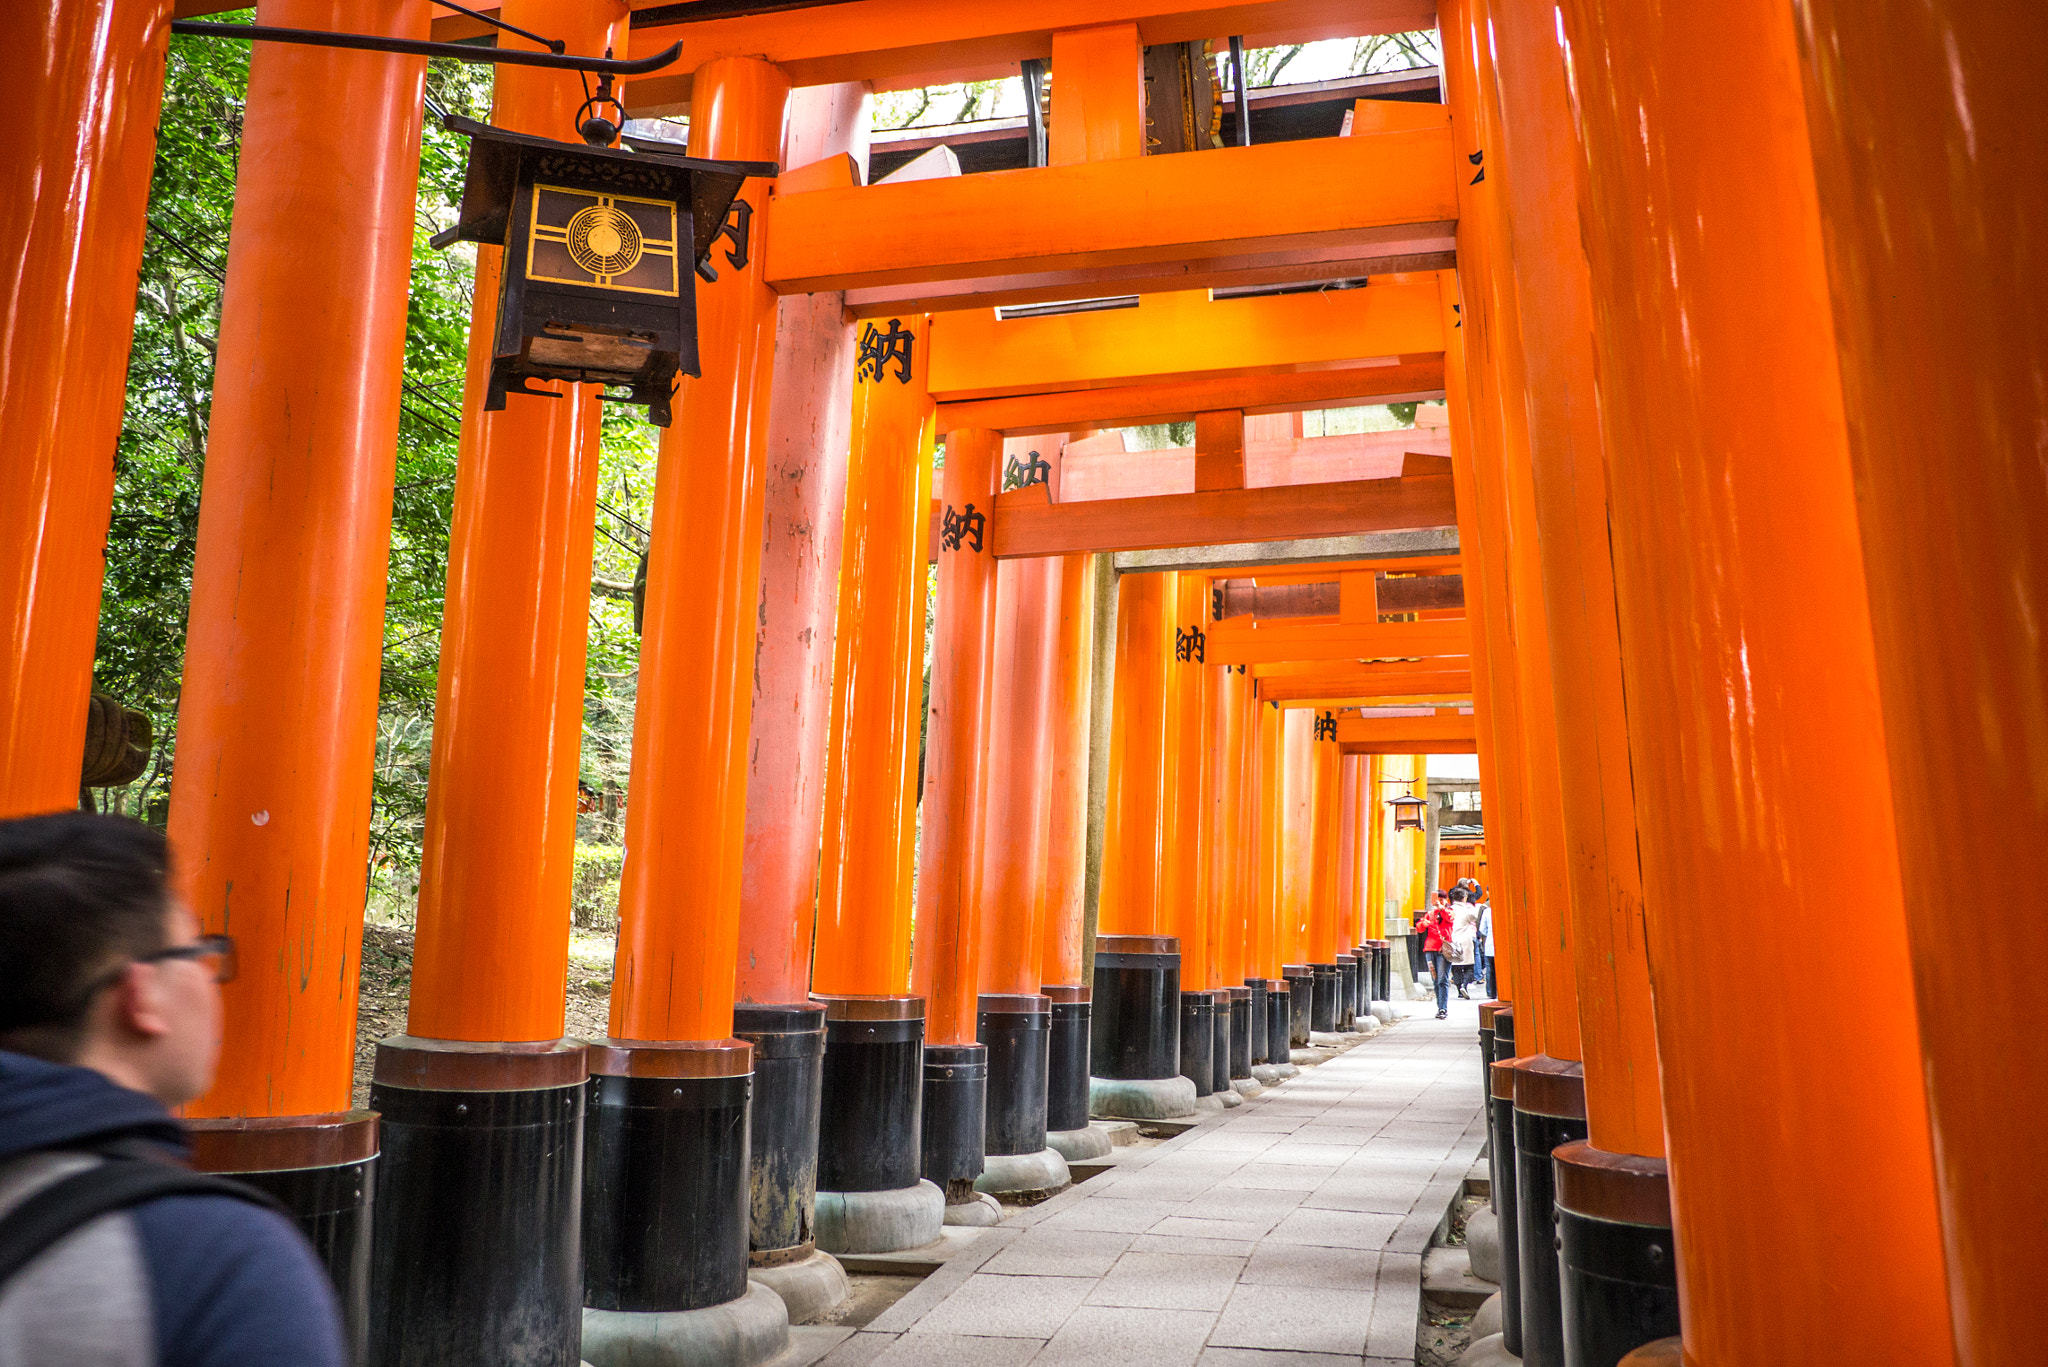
column 110, row 1251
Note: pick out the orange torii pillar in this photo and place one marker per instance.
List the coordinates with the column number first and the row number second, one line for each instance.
column 1062, row 964
column 949, row 893
column 1265, row 912
column 82, row 110
column 1230, row 754
column 1320, row 944
column 1014, row 1019
column 1373, row 890
column 665, row 1213
column 1345, row 933
column 270, row 810
column 1941, row 377
column 1135, row 1044
column 871, row 1198
column 1716, row 347
column 1613, row 1202
column 809, row 413
column 1297, row 867
column 482, row 1089
column 1184, row 773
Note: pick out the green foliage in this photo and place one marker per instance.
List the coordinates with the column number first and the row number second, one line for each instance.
column 594, row 895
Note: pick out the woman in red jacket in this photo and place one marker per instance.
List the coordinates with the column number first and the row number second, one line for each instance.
column 1435, row 925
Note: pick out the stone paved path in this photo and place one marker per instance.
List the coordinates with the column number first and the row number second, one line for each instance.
column 1288, row 1232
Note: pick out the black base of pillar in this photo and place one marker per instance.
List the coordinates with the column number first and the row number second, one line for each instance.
column 1550, row 1109
column 1386, row 954
column 871, row 1100
column 1066, row 1086
column 1486, row 1010
column 1279, row 1020
column 1258, row 1036
column 1219, row 1056
column 321, row 1168
column 1241, row 1031
column 1136, row 1023
column 1417, row 962
column 1347, row 1011
column 789, row 1078
column 477, row 1251
column 1301, row 984
column 666, row 1175
column 1017, row 1031
column 1501, row 1136
column 1198, row 1041
column 1616, row 1262
column 1329, row 993
column 955, row 1116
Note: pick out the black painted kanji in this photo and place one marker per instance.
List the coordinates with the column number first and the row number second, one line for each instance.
column 878, row 349
column 956, row 528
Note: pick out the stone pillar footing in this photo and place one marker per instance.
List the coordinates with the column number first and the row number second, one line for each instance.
column 1125, row 1098
column 1024, row 1178
column 978, row 1212
column 808, row 1286
column 880, row 1221
column 1090, row 1141
column 745, row 1332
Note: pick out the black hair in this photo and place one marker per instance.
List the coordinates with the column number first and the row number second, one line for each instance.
column 80, row 895
column 1457, row 894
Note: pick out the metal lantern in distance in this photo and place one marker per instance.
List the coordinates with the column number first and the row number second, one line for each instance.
column 1408, row 811
column 602, row 247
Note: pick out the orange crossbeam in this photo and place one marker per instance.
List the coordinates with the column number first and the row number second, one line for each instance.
column 1025, row 524
column 1238, row 641
column 1354, row 686
column 1407, row 747
column 896, row 44
column 976, row 354
column 1406, row 730
column 1414, row 378
column 1113, row 213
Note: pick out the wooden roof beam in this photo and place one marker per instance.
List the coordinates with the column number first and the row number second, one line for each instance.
column 1240, row 641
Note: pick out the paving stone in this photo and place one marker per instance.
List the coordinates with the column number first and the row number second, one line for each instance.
column 1277, row 1176
column 1307, row 1265
column 1047, row 1252
column 1098, row 1334
column 1306, row 1318
column 1335, row 1229
column 1173, row 1243
column 957, row 1350
column 1169, row 1281
column 1269, row 1357
column 1006, row 1307
column 1124, row 1217
column 1195, row 1227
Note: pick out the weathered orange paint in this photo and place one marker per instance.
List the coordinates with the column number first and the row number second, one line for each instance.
column 1717, row 354
column 1297, row 834
column 1015, row 759
column 1348, row 851
column 1603, row 866
column 1066, row 842
column 1130, row 901
column 1226, row 849
column 1324, row 818
column 870, row 803
column 809, row 413
column 80, row 102
column 491, row 954
column 1098, row 108
column 679, row 893
column 1184, row 826
column 1932, row 191
column 1265, row 936
column 277, row 714
column 1500, row 448
column 1374, row 816
column 949, row 901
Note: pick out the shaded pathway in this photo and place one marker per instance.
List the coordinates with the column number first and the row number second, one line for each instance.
column 1288, row 1232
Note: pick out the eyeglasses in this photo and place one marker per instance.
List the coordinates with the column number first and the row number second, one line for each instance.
column 216, row 953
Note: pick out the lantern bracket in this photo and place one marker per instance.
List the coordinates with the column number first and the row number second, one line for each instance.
column 555, row 59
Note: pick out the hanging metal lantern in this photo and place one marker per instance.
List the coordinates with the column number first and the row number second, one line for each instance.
column 602, row 250
column 1408, row 812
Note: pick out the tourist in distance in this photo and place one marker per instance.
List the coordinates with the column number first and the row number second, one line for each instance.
column 1464, row 940
column 1435, row 925
column 111, row 1251
column 1485, row 943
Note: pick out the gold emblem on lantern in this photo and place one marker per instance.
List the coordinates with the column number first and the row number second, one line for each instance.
column 610, row 242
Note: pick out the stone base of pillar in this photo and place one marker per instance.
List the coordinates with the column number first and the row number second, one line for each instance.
column 1488, row 1352
column 978, row 1211
column 1229, row 1097
column 475, row 1256
column 1079, row 1145
column 1616, row 1259
column 1486, row 1319
column 789, row 1060
column 1024, row 1178
column 321, row 1168
column 666, row 1175
column 1329, row 1039
column 1141, row 1098
column 1482, row 1243
column 1550, row 1109
column 955, row 1117
column 750, row 1329
column 871, row 1101
column 1384, row 1013
column 808, row 1286
column 880, row 1221
column 1247, row 1087
column 1662, row 1353
column 1301, row 1000
column 1272, row 1073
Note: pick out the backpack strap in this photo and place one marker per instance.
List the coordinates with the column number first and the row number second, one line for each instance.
column 117, row 1184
